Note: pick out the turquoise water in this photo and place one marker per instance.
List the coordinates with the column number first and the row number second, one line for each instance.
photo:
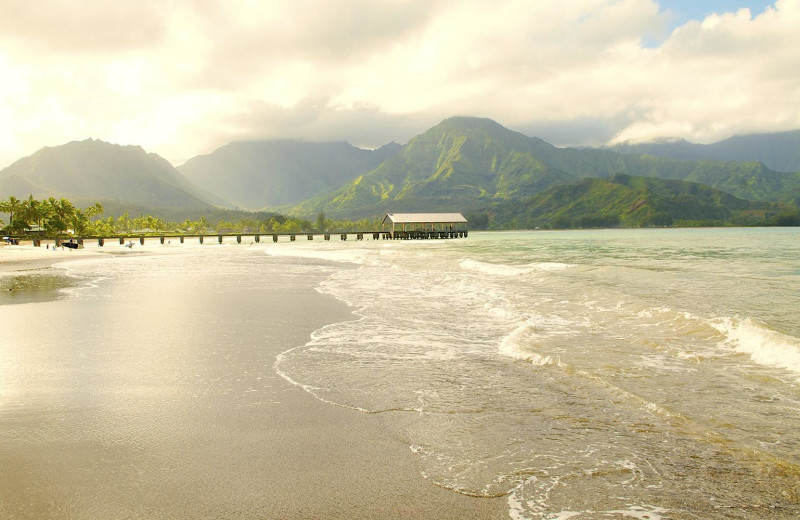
column 581, row 374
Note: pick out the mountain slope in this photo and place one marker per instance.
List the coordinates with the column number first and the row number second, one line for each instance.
column 748, row 180
column 259, row 174
column 778, row 151
column 624, row 200
column 460, row 164
column 91, row 170
column 466, row 164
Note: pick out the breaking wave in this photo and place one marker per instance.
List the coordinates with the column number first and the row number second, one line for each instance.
column 765, row 346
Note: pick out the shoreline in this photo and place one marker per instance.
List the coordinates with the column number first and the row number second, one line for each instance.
column 173, row 441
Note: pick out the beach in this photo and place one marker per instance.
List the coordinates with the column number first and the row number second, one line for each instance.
column 92, row 427
column 528, row 375
column 27, row 257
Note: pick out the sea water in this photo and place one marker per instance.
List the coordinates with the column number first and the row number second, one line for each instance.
column 580, row 374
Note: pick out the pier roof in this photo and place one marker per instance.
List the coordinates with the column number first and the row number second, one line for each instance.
column 424, row 218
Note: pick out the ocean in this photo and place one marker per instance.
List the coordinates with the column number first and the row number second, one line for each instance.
column 573, row 374
column 581, row 374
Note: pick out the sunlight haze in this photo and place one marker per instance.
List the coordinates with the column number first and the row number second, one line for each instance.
column 183, row 78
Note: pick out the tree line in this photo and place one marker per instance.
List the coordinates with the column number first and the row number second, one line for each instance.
column 60, row 217
column 50, row 216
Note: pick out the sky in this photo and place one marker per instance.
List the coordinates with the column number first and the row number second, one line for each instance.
column 183, row 77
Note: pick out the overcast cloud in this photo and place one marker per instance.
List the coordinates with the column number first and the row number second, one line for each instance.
column 182, row 78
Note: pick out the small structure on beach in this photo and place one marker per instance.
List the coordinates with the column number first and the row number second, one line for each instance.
column 424, row 225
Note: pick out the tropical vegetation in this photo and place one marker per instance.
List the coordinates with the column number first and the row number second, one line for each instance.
column 60, row 217
column 630, row 201
column 52, row 217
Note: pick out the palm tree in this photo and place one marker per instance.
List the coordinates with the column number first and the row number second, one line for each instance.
column 80, row 222
column 123, row 223
column 10, row 206
column 33, row 211
column 202, row 224
column 321, row 220
column 94, row 209
column 82, row 218
column 62, row 215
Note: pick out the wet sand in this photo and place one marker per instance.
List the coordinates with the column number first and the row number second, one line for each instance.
column 289, row 456
column 26, row 257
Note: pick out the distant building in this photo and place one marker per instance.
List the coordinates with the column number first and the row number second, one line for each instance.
column 425, row 225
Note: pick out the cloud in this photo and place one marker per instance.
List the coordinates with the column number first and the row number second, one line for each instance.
column 92, row 26
column 183, row 76
column 316, row 120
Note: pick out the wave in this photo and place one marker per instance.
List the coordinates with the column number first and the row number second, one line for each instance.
column 511, row 346
column 510, row 270
column 765, row 346
column 351, row 256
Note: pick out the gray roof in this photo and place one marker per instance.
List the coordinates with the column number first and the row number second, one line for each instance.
column 424, row 218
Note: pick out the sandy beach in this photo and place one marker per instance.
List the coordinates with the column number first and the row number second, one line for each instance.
column 183, row 451
column 27, row 257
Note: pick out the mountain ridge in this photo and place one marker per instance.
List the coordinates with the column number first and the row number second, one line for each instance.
column 779, row 151
column 469, row 164
column 464, row 163
column 96, row 170
column 270, row 173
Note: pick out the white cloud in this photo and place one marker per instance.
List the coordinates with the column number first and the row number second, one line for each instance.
column 181, row 78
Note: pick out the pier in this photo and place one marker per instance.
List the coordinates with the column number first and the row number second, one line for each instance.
column 219, row 238
column 395, row 226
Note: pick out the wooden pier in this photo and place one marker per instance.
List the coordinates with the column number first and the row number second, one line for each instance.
column 220, row 238
column 395, row 226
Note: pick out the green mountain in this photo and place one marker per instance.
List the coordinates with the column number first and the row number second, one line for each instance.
column 260, row 174
column 461, row 164
column 468, row 164
column 90, row 171
column 465, row 164
column 778, row 151
column 623, row 200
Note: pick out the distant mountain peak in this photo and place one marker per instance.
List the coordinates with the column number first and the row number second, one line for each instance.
column 97, row 170
column 271, row 173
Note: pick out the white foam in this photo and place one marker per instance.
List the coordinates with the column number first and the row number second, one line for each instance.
column 764, row 345
column 494, row 269
column 551, row 266
column 353, row 256
column 511, row 346
column 508, row 269
column 642, row 512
